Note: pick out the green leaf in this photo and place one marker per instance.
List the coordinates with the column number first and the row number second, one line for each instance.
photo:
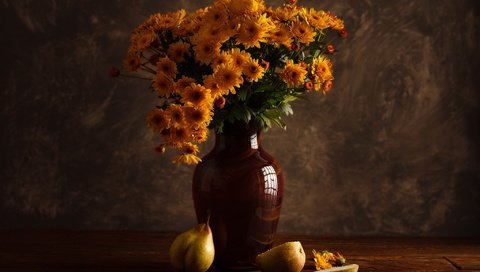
column 289, row 98
column 242, row 94
column 286, row 108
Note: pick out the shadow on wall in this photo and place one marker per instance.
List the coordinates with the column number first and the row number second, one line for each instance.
column 393, row 150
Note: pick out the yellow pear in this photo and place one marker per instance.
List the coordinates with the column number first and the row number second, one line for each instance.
column 193, row 250
column 287, row 257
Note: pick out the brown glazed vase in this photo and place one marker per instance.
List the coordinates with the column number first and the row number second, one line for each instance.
column 241, row 187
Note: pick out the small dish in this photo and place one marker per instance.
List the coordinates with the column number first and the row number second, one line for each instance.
column 345, row 268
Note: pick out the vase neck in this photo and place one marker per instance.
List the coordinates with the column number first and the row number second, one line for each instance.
column 237, row 139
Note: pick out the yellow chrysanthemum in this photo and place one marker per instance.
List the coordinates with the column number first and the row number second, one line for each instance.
column 178, row 51
column 327, row 86
column 197, row 95
column 293, row 74
column 239, row 7
column 221, row 3
column 335, row 23
column 198, row 116
column 200, row 134
column 163, row 84
column 253, row 31
column 281, row 35
column 159, row 22
column 187, row 28
column 206, row 51
column 326, row 259
column 215, row 91
column 216, row 15
column 199, row 14
column 183, row 83
column 252, row 70
column 187, row 159
column 189, row 148
column 285, row 13
column 143, row 40
column 167, row 66
column 318, row 19
column 227, row 77
column 322, row 69
column 223, row 58
column 190, row 25
column 171, row 20
column 212, row 33
column 157, row 120
column 234, row 25
column 239, row 57
column 303, row 32
column 179, row 135
column 320, row 261
column 132, row 62
column 176, row 115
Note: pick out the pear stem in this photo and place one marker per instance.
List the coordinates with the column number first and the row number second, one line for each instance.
column 208, row 218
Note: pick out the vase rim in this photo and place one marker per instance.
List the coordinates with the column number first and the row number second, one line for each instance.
column 240, row 127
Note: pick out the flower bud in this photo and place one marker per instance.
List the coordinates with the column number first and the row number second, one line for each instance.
column 220, row 102
column 330, row 49
column 308, row 85
column 343, row 33
column 160, row 149
column 265, row 64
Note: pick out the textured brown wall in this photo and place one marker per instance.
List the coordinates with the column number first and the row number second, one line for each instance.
column 393, row 150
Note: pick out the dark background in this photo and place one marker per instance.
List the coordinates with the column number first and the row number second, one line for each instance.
column 392, row 150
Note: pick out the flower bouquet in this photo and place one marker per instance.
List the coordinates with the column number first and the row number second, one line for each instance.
column 232, row 61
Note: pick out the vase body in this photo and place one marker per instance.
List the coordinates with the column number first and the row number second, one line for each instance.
column 240, row 186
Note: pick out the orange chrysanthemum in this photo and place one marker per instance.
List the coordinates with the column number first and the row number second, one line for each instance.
column 187, row 159
column 293, row 74
column 178, row 51
column 215, row 91
column 183, row 83
column 206, row 51
column 157, row 120
column 213, row 33
column 197, row 95
column 327, row 86
column 167, row 66
column 162, row 84
column 198, row 116
column 176, row 115
column 303, row 32
column 239, row 7
column 132, row 62
column 217, row 16
column 200, row 134
column 281, row 35
column 285, row 13
column 335, row 22
column 318, row 19
column 238, row 57
column 252, row 70
column 228, row 77
column 223, row 58
column 144, row 39
column 253, row 31
column 179, row 135
column 322, row 69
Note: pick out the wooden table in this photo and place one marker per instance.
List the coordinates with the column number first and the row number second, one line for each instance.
column 148, row 251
